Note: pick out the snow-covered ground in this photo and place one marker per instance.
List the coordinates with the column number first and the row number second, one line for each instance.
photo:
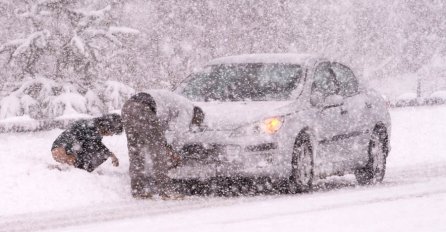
column 412, row 197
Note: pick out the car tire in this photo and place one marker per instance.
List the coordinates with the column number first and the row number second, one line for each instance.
column 302, row 163
column 378, row 151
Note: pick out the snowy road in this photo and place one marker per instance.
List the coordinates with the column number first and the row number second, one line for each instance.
column 412, row 197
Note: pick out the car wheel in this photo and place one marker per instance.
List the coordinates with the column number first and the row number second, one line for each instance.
column 375, row 169
column 302, row 164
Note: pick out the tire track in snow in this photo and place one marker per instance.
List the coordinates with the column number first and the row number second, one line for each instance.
column 103, row 213
column 329, row 207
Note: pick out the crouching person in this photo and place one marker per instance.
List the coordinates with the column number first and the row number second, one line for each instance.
column 146, row 118
column 81, row 144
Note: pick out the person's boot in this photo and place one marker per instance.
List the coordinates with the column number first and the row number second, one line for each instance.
column 167, row 190
column 171, row 196
column 141, row 195
column 139, row 191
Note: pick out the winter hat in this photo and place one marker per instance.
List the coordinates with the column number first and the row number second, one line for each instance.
column 145, row 99
column 109, row 123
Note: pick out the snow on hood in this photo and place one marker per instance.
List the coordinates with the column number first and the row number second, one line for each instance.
column 230, row 115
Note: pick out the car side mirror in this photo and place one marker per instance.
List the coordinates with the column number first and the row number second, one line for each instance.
column 333, row 100
column 197, row 120
column 317, row 99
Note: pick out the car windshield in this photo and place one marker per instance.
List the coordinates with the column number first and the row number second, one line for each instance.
column 242, row 82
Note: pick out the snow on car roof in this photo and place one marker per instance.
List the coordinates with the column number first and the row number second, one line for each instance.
column 287, row 58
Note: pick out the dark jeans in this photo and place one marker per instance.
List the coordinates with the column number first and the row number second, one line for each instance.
column 145, row 138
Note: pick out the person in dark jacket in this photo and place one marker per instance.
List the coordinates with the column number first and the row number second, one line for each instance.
column 81, row 144
column 147, row 116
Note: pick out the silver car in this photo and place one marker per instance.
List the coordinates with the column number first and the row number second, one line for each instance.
column 297, row 117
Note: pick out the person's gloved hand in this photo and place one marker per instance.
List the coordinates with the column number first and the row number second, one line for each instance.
column 115, row 160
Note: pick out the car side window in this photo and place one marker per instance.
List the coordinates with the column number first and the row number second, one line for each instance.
column 348, row 84
column 325, row 81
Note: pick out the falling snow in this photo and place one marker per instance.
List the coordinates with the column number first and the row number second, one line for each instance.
column 281, row 115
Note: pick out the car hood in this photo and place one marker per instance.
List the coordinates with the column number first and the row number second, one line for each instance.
column 231, row 115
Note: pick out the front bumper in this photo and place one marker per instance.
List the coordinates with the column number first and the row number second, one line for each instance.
column 210, row 155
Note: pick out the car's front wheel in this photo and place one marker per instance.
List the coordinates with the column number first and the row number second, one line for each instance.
column 302, row 172
column 375, row 169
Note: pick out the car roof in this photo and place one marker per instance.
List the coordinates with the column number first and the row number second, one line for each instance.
column 283, row 58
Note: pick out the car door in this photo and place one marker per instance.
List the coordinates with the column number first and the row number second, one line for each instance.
column 329, row 120
column 354, row 111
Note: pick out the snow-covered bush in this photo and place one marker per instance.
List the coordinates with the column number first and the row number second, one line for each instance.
column 10, row 107
column 67, row 104
column 439, row 94
column 94, row 104
column 42, row 98
column 437, row 97
column 29, row 98
column 116, row 93
column 406, row 99
column 30, row 106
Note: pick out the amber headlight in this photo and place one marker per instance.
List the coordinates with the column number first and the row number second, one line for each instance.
column 268, row 126
column 272, row 125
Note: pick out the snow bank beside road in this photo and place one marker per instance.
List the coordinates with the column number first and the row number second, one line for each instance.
column 418, row 136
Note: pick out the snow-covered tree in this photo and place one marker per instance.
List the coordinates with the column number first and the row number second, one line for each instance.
column 70, row 42
column 66, row 39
